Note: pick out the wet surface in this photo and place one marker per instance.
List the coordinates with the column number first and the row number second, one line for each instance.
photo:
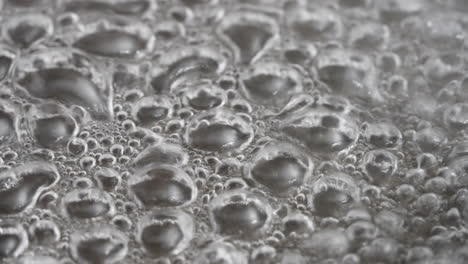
column 236, row 132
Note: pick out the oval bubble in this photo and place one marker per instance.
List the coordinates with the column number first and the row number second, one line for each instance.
column 163, row 186
column 240, row 213
column 98, row 244
column 165, row 232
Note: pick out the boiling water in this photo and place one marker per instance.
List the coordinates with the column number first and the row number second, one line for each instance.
column 233, row 131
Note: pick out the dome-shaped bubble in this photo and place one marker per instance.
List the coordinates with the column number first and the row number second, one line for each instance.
column 456, row 116
column 107, row 179
column 37, row 259
column 87, row 203
column 44, row 232
column 165, row 232
column 270, row 84
column 280, row 166
column 222, row 252
column 396, row 10
column 161, row 153
column 163, row 186
column 150, row 110
column 202, row 95
column 299, row 224
column 369, row 36
column 349, row 73
column 248, row 35
column 98, row 244
column 13, row 240
column 9, row 121
column 315, row 24
column 7, row 61
column 430, row 139
column 382, row 135
column 218, row 130
column 25, row 30
column 380, row 165
column 117, row 38
column 327, row 243
column 457, row 151
column 334, row 194
column 240, row 212
column 121, row 7
column 185, row 65
column 323, row 131
column 80, row 84
column 21, row 186
column 28, row 4
column 52, row 125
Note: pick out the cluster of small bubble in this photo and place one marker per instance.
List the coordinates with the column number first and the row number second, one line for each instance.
column 233, row 131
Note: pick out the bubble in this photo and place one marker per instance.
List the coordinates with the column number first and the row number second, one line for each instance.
column 6, row 63
column 165, row 232
column 222, row 252
column 107, row 178
column 349, row 73
column 293, row 257
column 163, row 186
column 218, row 130
column 66, row 85
column 419, row 253
column 128, row 7
column 38, row 259
column 381, row 249
column 98, row 244
column 263, row 254
column 321, row 130
column 397, row 10
column 427, row 204
column 44, row 232
column 430, row 139
column 186, row 65
column 361, row 231
column 327, row 243
column 25, row 30
column 314, row 25
column 52, row 126
column 380, row 165
column 87, row 203
column 169, row 30
column 240, row 212
column 150, row 110
column 161, row 153
column 8, row 121
column 390, row 222
column 202, row 95
column 270, row 84
column 123, row 45
column 21, row 186
column 13, row 240
column 299, row 224
column 369, row 36
column 334, row 194
column 280, row 166
column 456, row 116
column 355, row 3
column 382, row 135
column 249, row 35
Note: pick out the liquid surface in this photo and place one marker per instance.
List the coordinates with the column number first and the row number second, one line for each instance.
column 233, row 131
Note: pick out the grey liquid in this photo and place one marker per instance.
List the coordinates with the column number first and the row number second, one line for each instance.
column 233, row 131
